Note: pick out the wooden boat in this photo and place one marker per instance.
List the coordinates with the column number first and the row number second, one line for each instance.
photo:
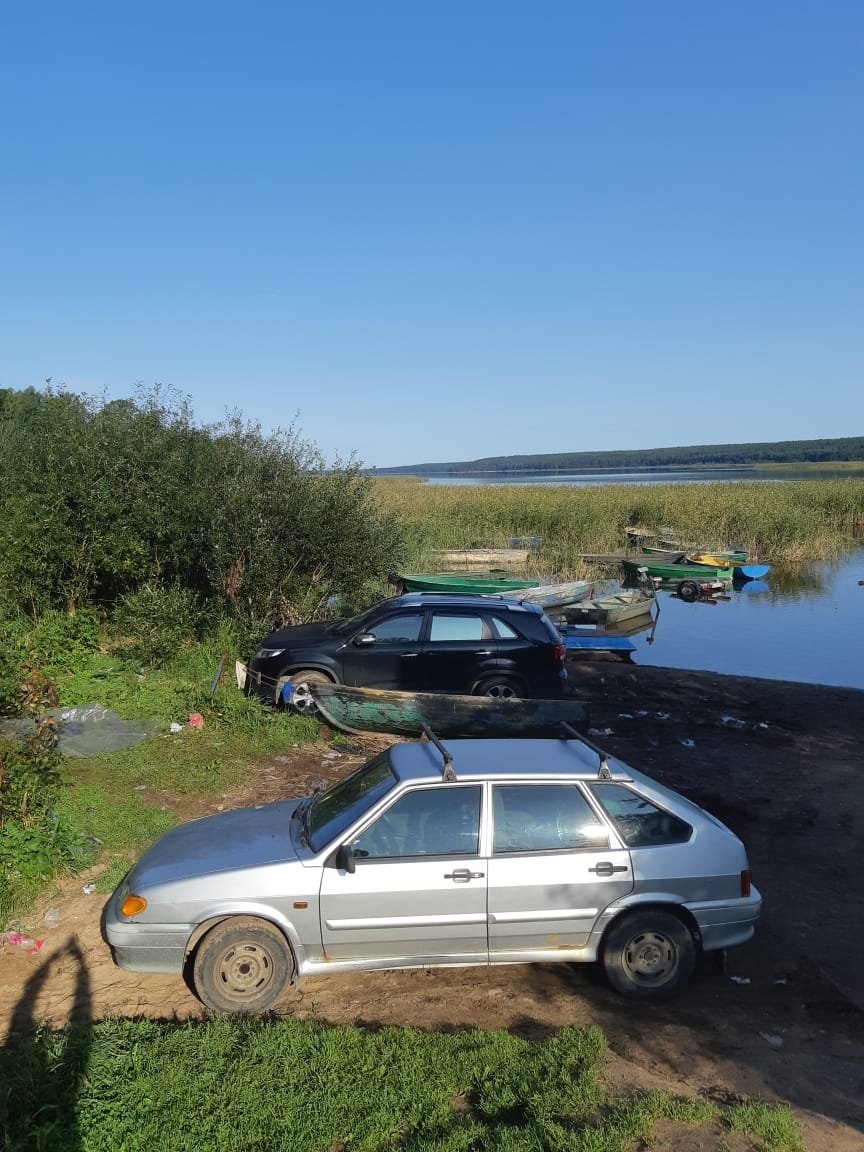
column 681, row 571
column 477, row 582
column 611, row 610
column 483, row 557
column 404, row 713
column 557, row 595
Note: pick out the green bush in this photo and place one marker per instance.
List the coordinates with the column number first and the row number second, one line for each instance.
column 154, row 623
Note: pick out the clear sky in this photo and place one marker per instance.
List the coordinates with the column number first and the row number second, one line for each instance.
column 438, row 231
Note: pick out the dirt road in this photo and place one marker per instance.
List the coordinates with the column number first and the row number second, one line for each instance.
column 780, row 763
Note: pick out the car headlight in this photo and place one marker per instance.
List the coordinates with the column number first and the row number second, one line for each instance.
column 267, row 653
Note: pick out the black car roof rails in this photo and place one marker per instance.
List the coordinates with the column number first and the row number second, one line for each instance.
column 447, row 775
column 603, row 771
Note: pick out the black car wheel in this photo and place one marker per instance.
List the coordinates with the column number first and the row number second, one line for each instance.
column 243, row 965
column 648, row 955
column 500, row 688
column 688, row 590
column 302, row 700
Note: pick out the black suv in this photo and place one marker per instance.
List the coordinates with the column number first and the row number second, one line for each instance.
column 420, row 642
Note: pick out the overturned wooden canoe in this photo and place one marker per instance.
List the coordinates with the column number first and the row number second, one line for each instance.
column 490, row 557
column 358, row 710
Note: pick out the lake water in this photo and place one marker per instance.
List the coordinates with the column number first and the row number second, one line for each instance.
column 804, row 623
column 599, row 479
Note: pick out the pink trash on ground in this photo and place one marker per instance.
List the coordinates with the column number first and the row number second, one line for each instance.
column 196, row 720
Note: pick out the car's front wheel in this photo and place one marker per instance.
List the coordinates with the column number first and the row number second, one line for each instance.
column 648, row 955
column 242, row 966
column 500, row 688
column 302, row 699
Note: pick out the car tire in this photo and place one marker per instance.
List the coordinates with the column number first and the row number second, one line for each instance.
column 242, row 966
column 688, row 590
column 501, row 688
column 301, row 697
column 648, row 955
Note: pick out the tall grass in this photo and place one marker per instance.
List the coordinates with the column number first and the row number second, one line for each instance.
column 782, row 521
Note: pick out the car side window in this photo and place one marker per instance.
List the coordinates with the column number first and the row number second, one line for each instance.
column 641, row 823
column 398, row 629
column 451, row 627
column 503, row 630
column 437, row 821
column 543, row 818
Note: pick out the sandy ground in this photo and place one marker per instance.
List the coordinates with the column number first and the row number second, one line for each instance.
column 780, row 763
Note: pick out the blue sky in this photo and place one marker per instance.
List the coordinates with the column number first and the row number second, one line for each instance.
column 442, row 231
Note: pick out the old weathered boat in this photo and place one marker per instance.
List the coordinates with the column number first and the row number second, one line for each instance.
column 490, row 557
column 557, row 595
column 611, row 610
column 477, row 582
column 404, row 713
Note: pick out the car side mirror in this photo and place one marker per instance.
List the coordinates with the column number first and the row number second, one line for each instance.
column 365, row 640
column 345, row 858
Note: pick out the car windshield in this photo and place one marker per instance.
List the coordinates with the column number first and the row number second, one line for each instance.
column 336, row 809
column 354, row 623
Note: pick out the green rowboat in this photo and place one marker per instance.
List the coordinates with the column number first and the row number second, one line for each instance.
column 477, row 582
column 667, row 571
column 404, row 713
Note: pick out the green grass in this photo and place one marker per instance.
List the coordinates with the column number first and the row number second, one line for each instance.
column 783, row 521
column 306, row 1087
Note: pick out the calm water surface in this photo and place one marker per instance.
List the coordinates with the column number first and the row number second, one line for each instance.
column 804, row 624
column 598, row 479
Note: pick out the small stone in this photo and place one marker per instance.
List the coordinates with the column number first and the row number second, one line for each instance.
column 772, row 1039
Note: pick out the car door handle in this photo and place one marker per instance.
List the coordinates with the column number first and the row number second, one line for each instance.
column 606, row 868
column 483, row 652
column 406, row 655
column 462, row 875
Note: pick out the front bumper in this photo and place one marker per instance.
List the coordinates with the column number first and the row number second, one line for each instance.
column 141, row 947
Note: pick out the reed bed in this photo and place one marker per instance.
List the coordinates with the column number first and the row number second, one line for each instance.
column 786, row 521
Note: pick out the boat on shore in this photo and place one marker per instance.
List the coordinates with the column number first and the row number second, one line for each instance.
column 482, row 557
column 480, row 583
column 357, row 710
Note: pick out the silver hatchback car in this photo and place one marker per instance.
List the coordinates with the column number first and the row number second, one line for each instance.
column 480, row 852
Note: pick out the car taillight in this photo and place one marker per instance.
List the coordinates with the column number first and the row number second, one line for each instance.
column 745, row 882
column 560, row 652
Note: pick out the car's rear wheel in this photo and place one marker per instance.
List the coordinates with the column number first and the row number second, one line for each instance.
column 302, row 700
column 501, row 688
column 648, row 955
column 243, row 965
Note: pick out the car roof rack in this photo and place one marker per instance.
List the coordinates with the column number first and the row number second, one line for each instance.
column 603, row 770
column 447, row 775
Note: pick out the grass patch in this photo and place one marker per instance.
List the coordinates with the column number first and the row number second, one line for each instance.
column 306, row 1087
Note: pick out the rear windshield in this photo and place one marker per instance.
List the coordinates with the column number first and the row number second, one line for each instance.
column 336, row 809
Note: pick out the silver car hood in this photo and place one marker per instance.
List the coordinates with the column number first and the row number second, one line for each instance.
column 229, row 841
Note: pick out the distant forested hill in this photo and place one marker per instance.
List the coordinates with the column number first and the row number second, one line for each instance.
column 694, row 455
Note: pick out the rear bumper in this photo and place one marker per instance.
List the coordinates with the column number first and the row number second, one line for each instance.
column 722, row 924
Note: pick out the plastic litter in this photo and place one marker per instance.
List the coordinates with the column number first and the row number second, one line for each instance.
column 196, row 720
column 599, row 731
column 21, row 940
column 88, row 729
column 740, row 979
column 52, row 916
column 688, row 743
column 772, row 1039
column 732, row 721
column 89, row 889
column 175, row 727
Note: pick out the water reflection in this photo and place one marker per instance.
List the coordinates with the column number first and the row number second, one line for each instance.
column 801, row 623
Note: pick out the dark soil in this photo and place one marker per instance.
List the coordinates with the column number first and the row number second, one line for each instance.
column 780, row 763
